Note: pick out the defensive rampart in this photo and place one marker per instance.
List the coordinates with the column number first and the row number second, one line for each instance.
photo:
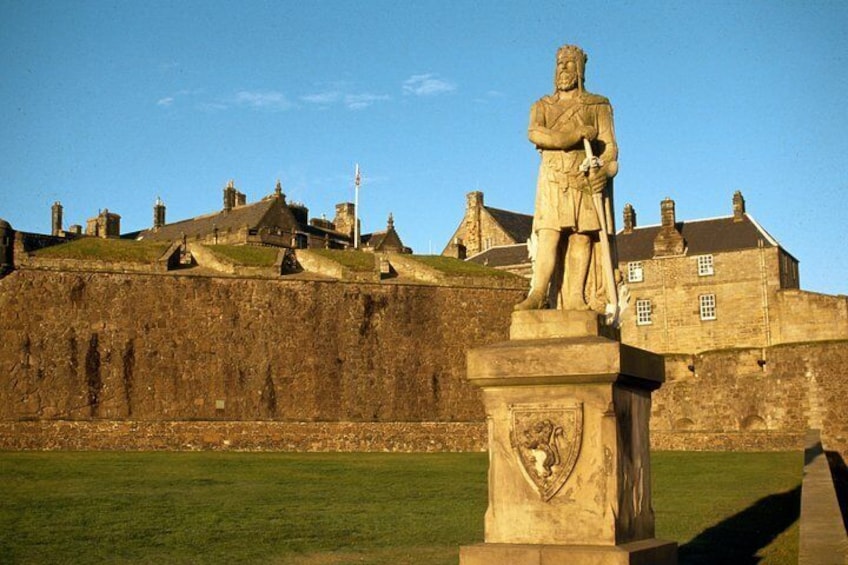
column 160, row 361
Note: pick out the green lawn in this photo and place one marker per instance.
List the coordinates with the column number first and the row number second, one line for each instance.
column 350, row 258
column 99, row 249
column 454, row 267
column 247, row 255
column 320, row 509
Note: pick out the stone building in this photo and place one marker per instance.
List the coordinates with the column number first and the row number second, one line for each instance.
column 271, row 221
column 491, row 236
column 715, row 283
column 694, row 285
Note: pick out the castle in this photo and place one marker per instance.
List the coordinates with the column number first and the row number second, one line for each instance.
column 112, row 355
column 270, row 222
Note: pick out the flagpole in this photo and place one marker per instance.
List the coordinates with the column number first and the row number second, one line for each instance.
column 356, row 181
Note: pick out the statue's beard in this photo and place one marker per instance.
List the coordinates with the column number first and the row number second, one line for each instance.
column 566, row 81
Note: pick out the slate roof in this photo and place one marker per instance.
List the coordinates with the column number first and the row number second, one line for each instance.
column 268, row 211
column 502, row 256
column 517, row 226
column 713, row 235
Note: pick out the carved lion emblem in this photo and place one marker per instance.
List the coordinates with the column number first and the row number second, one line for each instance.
column 546, row 441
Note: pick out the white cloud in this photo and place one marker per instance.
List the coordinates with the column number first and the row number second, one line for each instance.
column 350, row 101
column 270, row 100
column 167, row 101
column 328, row 97
column 360, row 101
column 211, row 106
column 428, row 84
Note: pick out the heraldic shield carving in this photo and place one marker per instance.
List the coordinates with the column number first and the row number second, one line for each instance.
column 546, row 441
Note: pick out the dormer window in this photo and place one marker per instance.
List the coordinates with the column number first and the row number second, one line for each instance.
column 705, row 266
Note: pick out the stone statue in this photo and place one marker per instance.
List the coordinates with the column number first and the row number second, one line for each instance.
column 572, row 245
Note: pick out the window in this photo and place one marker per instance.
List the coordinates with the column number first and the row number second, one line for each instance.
column 634, row 271
column 643, row 313
column 705, row 265
column 707, row 306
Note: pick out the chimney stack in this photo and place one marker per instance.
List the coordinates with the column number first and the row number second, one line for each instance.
column 158, row 213
column 669, row 240
column 738, row 206
column 56, row 225
column 629, row 218
column 667, row 213
column 473, row 225
column 229, row 196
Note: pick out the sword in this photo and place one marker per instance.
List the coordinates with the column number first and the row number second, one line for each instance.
column 613, row 312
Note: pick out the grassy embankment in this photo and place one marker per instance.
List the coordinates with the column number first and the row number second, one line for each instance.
column 349, row 508
column 455, row 267
column 112, row 250
column 247, row 255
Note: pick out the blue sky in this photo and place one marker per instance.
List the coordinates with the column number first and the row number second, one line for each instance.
column 111, row 104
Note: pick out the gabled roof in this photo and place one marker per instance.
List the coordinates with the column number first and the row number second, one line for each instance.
column 502, row 256
column 270, row 210
column 714, row 235
column 386, row 240
column 517, row 226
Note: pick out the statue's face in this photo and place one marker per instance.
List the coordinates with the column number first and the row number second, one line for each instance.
column 566, row 76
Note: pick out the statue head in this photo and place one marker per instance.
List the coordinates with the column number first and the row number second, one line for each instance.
column 570, row 68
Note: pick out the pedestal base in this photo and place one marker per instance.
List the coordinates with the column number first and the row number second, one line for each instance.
column 644, row 552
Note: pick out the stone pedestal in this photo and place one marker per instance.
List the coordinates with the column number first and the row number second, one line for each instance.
column 569, row 456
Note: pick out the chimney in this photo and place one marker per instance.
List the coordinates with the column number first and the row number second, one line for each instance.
column 669, row 240
column 667, row 213
column 738, row 206
column 473, row 224
column 345, row 216
column 390, row 224
column 456, row 250
column 229, row 196
column 158, row 213
column 629, row 218
column 56, row 228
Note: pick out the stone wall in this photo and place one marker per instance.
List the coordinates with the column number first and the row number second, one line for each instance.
column 114, row 346
column 810, row 316
column 754, row 398
column 108, row 360
column 243, row 436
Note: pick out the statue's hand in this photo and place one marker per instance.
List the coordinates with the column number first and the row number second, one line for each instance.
column 588, row 132
column 597, row 179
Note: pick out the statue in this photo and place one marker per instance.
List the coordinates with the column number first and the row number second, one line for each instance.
column 572, row 245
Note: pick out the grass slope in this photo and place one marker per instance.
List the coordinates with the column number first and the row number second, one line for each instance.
column 354, row 260
column 454, row 267
column 113, row 250
column 322, row 509
column 247, row 255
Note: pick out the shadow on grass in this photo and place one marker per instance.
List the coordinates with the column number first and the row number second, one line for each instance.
column 737, row 539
